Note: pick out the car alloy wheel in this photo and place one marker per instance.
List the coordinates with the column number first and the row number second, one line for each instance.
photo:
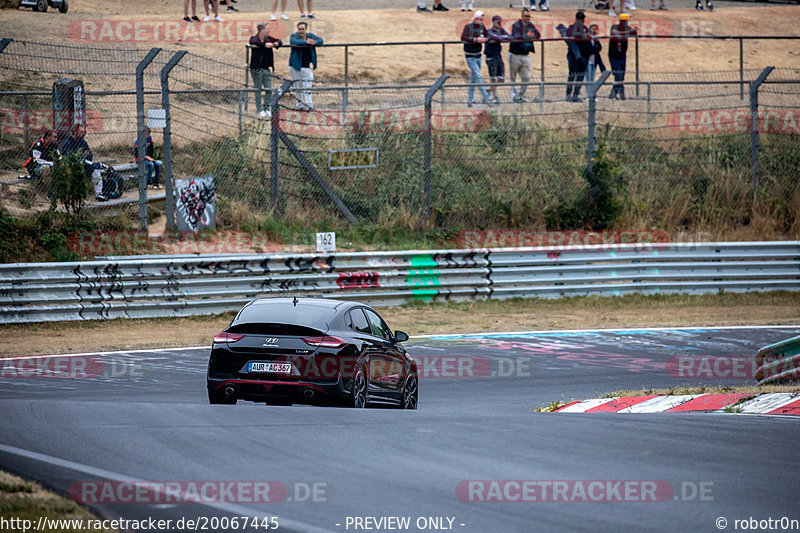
column 359, row 390
column 410, row 393
column 41, row 6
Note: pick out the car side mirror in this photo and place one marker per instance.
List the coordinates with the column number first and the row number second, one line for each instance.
column 400, row 336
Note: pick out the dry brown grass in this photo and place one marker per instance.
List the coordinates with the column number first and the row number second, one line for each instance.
column 479, row 316
column 26, row 500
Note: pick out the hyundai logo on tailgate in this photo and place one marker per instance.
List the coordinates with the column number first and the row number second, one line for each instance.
column 270, row 341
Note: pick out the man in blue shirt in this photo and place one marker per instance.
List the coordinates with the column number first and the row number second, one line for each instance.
column 301, row 61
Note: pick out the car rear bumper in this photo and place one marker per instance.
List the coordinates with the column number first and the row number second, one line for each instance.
column 261, row 390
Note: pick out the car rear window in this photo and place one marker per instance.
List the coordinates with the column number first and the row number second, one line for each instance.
column 291, row 330
column 310, row 316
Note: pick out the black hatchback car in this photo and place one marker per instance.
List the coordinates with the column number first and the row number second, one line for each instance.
column 288, row 350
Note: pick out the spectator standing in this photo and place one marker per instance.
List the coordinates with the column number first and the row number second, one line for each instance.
column 194, row 10
column 149, row 159
column 595, row 58
column 577, row 56
column 466, row 5
column 229, row 4
column 523, row 33
column 699, row 6
column 301, row 60
column 661, row 5
column 284, row 16
column 306, row 13
column 76, row 143
column 544, row 5
column 215, row 8
column 261, row 63
column 437, row 6
column 43, row 153
column 473, row 36
column 493, row 49
column 617, row 53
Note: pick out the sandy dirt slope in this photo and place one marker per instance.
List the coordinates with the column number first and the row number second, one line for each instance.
column 83, row 25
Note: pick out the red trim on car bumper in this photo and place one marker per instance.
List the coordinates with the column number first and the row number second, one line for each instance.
column 258, row 381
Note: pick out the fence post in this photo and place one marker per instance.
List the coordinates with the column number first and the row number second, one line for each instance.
column 246, row 71
column 443, row 71
column 273, row 147
column 636, row 46
column 26, row 122
column 3, row 43
column 592, row 118
column 142, row 149
column 346, row 78
column 741, row 68
column 168, row 184
column 754, row 137
column 427, row 140
column 649, row 105
column 239, row 109
column 541, row 76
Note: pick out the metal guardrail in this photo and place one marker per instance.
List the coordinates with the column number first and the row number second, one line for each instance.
column 182, row 286
column 779, row 362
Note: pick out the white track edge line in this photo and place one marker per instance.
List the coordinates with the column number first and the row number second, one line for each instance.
column 114, row 476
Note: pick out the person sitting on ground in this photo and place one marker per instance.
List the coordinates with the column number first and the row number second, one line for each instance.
column 149, row 160
column 43, row 153
column 76, row 143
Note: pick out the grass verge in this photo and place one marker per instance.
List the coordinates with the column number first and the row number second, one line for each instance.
column 22, row 500
column 530, row 314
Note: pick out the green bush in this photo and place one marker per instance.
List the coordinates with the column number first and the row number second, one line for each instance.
column 69, row 184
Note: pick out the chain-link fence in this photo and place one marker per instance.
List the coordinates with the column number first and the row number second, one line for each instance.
column 677, row 154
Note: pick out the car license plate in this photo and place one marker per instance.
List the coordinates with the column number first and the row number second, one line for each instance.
column 275, row 368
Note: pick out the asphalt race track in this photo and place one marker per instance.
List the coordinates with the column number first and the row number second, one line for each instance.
column 146, row 417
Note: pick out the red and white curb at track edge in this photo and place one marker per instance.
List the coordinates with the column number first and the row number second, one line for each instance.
column 778, row 403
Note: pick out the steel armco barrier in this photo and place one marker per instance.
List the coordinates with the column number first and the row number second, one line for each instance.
column 779, row 362
column 170, row 286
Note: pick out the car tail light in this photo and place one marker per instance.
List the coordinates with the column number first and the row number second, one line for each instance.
column 325, row 342
column 224, row 336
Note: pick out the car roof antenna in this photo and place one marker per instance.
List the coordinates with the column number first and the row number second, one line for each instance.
column 295, row 301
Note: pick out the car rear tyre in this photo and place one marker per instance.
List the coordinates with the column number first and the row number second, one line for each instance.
column 219, row 398
column 41, row 6
column 64, row 7
column 410, row 392
column 359, row 399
